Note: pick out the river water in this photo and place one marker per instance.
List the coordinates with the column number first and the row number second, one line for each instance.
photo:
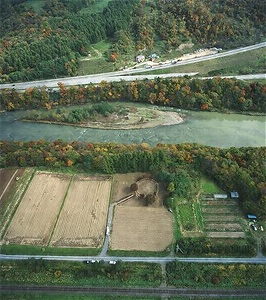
column 208, row 128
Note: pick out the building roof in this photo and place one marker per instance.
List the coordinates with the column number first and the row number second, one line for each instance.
column 251, row 216
column 234, row 194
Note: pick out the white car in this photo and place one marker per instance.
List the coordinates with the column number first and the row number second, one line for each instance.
column 254, row 227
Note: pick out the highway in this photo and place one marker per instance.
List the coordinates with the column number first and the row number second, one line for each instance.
column 121, row 75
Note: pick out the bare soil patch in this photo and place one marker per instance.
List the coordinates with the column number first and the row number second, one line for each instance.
column 141, row 229
column 218, row 210
column 226, row 234
column 83, row 218
column 136, row 118
column 36, row 214
column 7, row 183
column 121, row 188
column 219, row 218
column 224, row 226
column 219, row 203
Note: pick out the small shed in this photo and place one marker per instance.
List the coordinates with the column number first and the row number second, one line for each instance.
column 252, row 217
column 220, row 196
column 234, row 194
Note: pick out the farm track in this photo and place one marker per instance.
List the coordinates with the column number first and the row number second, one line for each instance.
column 191, row 292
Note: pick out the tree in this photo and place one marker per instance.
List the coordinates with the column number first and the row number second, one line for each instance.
column 150, row 198
column 134, row 187
column 171, row 187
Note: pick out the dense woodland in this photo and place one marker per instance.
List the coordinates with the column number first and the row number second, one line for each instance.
column 210, row 94
column 48, row 42
column 240, row 169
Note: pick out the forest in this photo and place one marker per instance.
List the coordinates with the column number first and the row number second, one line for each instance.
column 48, row 42
column 234, row 169
column 215, row 94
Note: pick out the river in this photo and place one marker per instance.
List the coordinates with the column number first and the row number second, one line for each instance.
column 208, row 128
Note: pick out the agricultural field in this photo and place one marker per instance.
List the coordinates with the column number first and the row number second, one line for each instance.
column 60, row 210
column 137, row 226
column 70, row 211
column 36, row 215
column 8, row 179
column 141, row 228
column 221, row 218
column 83, row 217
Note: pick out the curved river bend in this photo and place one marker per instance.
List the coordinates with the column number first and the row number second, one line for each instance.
column 209, row 128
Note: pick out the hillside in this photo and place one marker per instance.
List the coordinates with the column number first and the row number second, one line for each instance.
column 47, row 39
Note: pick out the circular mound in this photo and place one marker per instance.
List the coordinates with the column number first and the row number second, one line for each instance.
column 147, row 186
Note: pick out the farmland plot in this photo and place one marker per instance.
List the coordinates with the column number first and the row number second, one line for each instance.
column 83, row 218
column 36, row 214
column 141, row 229
column 221, row 218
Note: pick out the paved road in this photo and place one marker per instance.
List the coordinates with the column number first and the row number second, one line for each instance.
column 120, row 75
column 108, row 230
column 247, row 260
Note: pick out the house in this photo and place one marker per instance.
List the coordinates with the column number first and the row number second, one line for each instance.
column 140, row 58
column 153, row 56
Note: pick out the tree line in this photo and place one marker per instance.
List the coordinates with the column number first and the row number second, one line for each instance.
column 215, row 94
column 234, row 169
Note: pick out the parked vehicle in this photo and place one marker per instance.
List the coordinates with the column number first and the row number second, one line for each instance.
column 254, row 227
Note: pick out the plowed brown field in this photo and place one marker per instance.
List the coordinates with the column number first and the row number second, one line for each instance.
column 141, row 228
column 83, row 218
column 36, row 215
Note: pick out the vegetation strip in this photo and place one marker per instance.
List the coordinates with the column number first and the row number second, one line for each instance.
column 214, row 94
column 139, row 291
